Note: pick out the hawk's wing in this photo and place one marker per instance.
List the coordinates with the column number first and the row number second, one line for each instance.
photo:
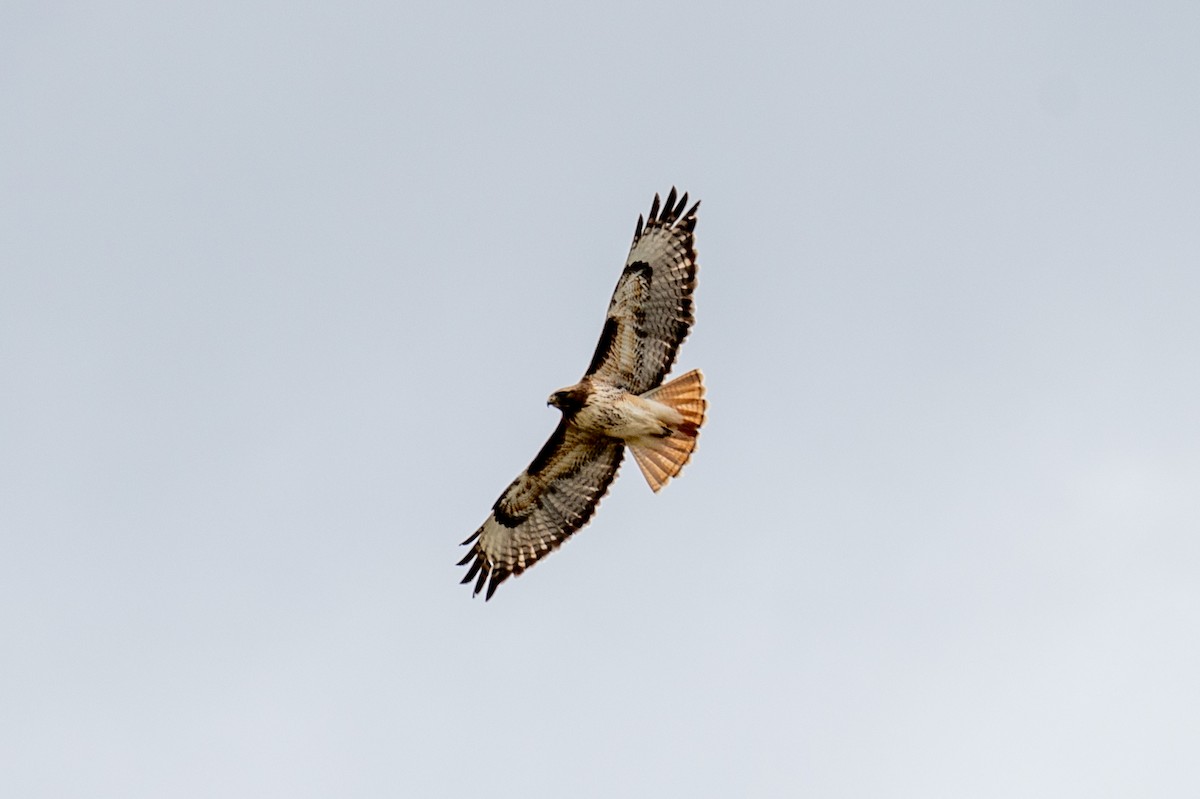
column 548, row 502
column 651, row 309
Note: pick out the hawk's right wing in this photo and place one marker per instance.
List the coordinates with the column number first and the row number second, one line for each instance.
column 548, row 502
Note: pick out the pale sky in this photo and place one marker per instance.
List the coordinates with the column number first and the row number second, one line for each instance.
column 283, row 290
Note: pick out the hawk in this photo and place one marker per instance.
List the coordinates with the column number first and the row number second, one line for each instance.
column 620, row 402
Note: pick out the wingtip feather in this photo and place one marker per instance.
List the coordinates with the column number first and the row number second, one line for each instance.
column 669, row 212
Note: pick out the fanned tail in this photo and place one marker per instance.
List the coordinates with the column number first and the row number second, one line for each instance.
column 660, row 459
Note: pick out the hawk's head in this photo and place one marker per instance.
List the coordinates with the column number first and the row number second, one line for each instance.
column 569, row 400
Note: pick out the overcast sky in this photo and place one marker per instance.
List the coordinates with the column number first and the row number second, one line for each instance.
column 283, row 290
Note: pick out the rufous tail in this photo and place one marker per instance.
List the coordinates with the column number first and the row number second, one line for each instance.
column 660, row 459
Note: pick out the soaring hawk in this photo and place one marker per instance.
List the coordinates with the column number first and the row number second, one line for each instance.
column 621, row 401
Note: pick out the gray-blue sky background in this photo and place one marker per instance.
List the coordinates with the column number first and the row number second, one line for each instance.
column 283, row 291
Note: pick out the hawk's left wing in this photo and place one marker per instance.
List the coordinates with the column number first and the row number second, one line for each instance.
column 548, row 502
column 651, row 309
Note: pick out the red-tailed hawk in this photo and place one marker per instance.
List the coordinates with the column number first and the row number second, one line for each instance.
column 621, row 401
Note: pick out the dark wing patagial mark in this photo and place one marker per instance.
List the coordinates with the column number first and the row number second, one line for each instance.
column 634, row 284
column 542, row 459
column 511, row 515
column 607, row 336
column 650, row 313
column 544, row 506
